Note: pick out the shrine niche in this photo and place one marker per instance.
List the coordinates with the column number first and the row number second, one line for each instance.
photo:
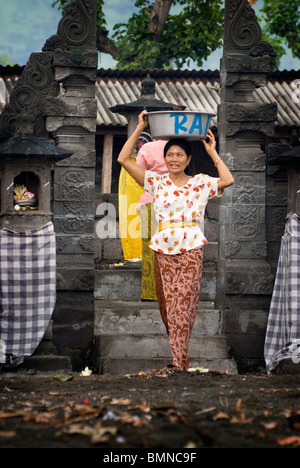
column 26, row 191
column 26, row 165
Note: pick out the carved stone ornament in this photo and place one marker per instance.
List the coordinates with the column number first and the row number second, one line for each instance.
column 244, row 32
column 264, row 112
column 76, row 29
column 246, row 63
column 37, row 82
column 76, row 26
column 232, row 248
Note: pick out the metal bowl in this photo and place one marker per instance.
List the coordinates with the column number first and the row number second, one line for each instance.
column 190, row 125
column 25, row 202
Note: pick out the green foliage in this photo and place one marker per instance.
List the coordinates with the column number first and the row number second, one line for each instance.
column 193, row 30
column 4, row 60
column 277, row 45
column 283, row 22
column 191, row 34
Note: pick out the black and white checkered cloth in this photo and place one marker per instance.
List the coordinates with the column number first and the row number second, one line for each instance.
column 27, row 288
column 283, row 328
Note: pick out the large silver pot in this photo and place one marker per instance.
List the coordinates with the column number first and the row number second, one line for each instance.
column 179, row 124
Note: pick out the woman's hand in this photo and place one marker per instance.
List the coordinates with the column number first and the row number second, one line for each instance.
column 143, row 120
column 209, row 145
column 124, row 158
column 226, row 178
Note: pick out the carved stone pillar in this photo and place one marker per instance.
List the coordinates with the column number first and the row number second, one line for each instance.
column 57, row 89
column 71, row 120
column 244, row 280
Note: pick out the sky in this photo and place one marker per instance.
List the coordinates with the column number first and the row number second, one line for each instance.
column 25, row 25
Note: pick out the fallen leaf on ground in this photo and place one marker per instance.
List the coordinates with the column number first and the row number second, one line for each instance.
column 206, row 410
column 63, row 378
column 238, row 405
column 7, row 433
column 199, row 370
column 190, row 445
column 45, row 417
column 3, row 414
column 241, row 420
column 97, row 433
column 116, row 401
column 120, row 401
column 86, row 372
column 290, row 440
column 220, row 415
column 144, row 408
column 134, row 420
column 79, row 412
column 270, row 424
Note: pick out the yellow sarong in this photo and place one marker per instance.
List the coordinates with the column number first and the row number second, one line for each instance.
column 149, row 225
column 129, row 220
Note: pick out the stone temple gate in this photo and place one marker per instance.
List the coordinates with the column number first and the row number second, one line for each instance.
column 119, row 333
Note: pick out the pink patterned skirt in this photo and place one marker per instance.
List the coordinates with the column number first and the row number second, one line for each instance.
column 178, row 279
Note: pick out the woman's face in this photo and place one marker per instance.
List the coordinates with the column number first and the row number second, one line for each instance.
column 176, row 160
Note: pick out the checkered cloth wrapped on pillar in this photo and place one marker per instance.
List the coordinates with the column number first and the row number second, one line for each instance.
column 283, row 328
column 27, row 288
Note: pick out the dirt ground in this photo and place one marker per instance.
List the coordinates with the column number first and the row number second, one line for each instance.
column 160, row 410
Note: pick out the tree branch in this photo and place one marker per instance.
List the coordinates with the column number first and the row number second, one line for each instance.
column 158, row 17
column 105, row 44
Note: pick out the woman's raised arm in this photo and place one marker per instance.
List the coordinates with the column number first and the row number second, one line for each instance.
column 137, row 172
column 226, row 178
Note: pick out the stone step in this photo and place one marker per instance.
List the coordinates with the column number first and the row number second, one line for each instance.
column 45, row 358
column 148, row 347
column 130, row 337
column 143, row 318
column 126, row 284
column 42, row 363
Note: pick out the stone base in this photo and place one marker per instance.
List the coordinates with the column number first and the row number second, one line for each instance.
column 287, row 366
column 49, row 363
column 124, row 283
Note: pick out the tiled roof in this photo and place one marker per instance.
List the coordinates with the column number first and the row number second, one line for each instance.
column 197, row 90
column 194, row 89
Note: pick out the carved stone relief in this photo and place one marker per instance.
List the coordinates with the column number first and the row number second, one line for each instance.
column 242, row 126
column 76, row 28
column 244, row 33
column 28, row 95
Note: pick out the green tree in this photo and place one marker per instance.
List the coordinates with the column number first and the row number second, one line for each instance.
column 5, row 60
column 155, row 37
column 176, row 32
column 282, row 23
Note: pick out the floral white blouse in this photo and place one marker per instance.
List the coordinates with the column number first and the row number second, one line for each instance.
column 183, row 205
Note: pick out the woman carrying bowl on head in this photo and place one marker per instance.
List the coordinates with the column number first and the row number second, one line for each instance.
column 179, row 205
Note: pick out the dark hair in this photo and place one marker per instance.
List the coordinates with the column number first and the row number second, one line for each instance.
column 184, row 144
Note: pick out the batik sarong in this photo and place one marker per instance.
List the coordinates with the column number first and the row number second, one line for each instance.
column 178, row 279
